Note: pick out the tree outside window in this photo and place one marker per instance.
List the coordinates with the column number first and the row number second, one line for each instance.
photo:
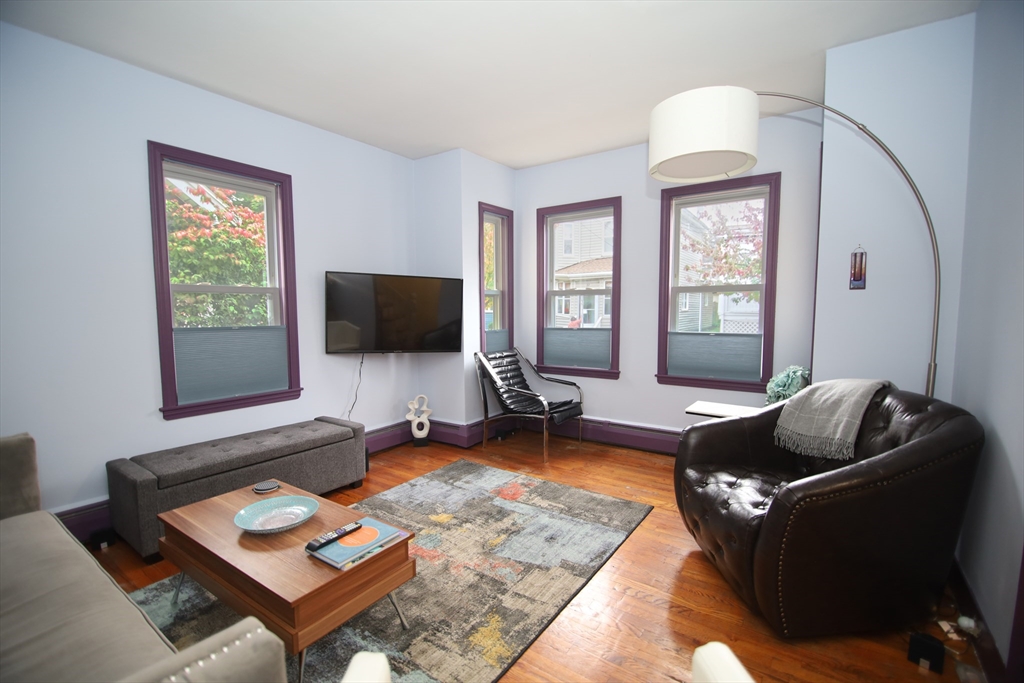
column 224, row 262
column 495, row 277
column 718, row 283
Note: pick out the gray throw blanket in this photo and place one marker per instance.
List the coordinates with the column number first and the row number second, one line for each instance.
column 823, row 419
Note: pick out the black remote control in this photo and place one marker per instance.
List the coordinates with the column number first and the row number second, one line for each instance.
column 332, row 536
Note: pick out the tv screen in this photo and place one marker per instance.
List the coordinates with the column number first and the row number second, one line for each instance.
column 368, row 313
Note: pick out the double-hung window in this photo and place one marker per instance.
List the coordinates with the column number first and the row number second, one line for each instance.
column 224, row 262
column 495, row 278
column 718, row 255
column 578, row 288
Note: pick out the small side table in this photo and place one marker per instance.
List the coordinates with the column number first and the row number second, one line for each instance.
column 710, row 409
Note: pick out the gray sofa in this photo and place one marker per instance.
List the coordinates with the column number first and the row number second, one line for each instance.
column 319, row 456
column 62, row 617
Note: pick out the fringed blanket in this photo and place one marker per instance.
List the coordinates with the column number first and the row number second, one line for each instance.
column 823, row 419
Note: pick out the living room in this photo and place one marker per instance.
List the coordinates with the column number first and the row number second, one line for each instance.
column 81, row 372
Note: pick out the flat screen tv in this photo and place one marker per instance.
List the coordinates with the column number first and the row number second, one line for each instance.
column 373, row 313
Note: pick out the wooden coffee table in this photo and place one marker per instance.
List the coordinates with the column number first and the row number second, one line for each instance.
column 270, row 576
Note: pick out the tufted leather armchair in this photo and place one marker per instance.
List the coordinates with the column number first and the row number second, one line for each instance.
column 820, row 546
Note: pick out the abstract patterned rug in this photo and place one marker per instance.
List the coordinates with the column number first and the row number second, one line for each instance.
column 499, row 555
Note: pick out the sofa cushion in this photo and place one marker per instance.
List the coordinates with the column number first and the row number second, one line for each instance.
column 176, row 466
column 62, row 618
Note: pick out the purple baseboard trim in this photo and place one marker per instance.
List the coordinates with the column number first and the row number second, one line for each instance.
column 465, row 436
column 456, row 435
column 616, row 434
column 383, row 438
column 984, row 645
column 85, row 521
column 442, row 432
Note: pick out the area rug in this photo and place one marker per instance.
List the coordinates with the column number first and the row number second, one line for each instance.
column 499, row 554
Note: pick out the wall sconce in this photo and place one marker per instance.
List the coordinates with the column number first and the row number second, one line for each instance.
column 858, row 268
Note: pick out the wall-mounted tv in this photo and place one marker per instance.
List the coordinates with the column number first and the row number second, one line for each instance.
column 373, row 313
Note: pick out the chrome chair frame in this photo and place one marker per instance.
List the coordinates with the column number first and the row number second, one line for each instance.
column 483, row 366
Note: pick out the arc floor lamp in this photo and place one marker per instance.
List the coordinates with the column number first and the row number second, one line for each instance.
column 711, row 134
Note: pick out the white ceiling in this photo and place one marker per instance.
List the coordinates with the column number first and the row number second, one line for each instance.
column 520, row 83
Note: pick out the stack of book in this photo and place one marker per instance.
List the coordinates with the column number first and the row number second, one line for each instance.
column 360, row 545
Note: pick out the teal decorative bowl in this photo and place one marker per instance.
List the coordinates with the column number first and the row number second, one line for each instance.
column 276, row 514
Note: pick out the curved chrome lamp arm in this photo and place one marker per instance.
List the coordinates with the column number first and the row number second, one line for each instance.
column 930, row 383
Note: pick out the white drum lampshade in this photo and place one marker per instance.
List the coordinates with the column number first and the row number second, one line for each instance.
column 704, row 134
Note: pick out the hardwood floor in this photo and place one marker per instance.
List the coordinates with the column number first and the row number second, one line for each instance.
column 640, row 618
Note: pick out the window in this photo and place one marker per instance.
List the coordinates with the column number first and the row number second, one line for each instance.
column 224, row 260
column 718, row 254
column 578, row 273
column 495, row 278
column 563, row 304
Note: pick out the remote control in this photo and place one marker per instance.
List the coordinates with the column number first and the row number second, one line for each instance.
column 332, row 536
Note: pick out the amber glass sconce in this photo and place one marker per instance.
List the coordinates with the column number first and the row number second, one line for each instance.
column 858, row 268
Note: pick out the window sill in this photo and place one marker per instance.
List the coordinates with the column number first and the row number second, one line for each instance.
column 599, row 373
column 708, row 383
column 234, row 403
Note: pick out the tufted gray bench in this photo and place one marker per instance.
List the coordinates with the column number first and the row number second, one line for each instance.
column 319, row 456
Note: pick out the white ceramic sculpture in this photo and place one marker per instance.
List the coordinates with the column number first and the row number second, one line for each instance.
column 420, row 423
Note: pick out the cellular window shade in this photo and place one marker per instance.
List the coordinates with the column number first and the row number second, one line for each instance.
column 584, row 348
column 222, row 362
column 497, row 340
column 715, row 356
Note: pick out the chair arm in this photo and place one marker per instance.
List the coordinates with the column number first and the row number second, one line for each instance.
column 551, row 379
column 533, row 394
column 19, row 485
column 566, row 382
column 244, row 652
column 868, row 545
column 735, row 441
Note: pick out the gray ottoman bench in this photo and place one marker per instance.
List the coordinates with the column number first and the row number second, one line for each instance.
column 319, row 456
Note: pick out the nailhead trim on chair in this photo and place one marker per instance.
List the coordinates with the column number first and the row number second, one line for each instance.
column 213, row 655
column 802, row 504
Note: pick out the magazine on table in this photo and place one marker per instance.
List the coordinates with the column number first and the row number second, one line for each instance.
column 359, row 545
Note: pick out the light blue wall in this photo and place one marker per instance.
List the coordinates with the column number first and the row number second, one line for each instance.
column 489, row 182
column 989, row 376
column 913, row 90
column 947, row 98
column 79, row 367
column 435, row 236
column 789, row 144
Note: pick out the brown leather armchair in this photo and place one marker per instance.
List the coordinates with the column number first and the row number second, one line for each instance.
column 820, row 546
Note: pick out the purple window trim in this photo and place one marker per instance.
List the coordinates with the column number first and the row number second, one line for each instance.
column 599, row 373
column 507, row 214
column 158, row 153
column 774, row 182
column 615, row 203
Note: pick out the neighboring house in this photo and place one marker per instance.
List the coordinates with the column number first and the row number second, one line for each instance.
column 698, row 311
column 583, row 260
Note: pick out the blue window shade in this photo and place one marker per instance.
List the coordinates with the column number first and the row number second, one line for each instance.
column 579, row 348
column 497, row 340
column 222, row 362
column 715, row 356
